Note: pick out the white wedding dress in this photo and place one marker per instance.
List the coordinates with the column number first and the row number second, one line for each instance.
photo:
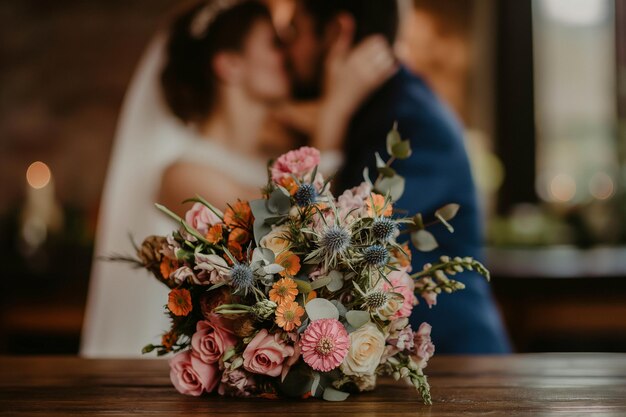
column 125, row 306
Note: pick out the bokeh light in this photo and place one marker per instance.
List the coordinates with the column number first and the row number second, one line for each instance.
column 38, row 175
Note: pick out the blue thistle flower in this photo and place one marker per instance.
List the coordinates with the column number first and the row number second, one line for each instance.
column 383, row 229
column 241, row 277
column 376, row 255
column 335, row 240
column 305, row 195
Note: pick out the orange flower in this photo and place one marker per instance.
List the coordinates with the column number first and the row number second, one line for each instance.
column 238, row 215
column 379, row 203
column 239, row 236
column 168, row 340
column 179, row 302
column 310, row 296
column 215, row 233
column 167, row 267
column 283, row 291
column 290, row 184
column 288, row 315
column 403, row 259
column 289, row 261
column 235, row 249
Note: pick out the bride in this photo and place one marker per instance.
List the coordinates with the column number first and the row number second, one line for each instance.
column 191, row 124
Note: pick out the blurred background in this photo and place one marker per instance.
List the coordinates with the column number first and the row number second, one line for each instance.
column 539, row 84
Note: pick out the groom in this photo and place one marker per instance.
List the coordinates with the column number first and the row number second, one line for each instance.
column 437, row 173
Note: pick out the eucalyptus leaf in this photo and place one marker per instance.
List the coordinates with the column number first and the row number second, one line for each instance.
column 386, row 171
column 336, row 281
column 448, row 212
column 394, row 186
column 424, row 241
column 340, row 307
column 331, row 394
column 321, row 282
column 273, row 269
column 321, row 308
column 303, row 287
column 379, row 161
column 357, row 318
column 393, row 138
column 278, row 203
column 402, row 150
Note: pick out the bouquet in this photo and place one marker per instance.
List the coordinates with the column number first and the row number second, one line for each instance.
column 300, row 294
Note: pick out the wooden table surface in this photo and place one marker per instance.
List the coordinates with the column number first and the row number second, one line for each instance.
column 533, row 385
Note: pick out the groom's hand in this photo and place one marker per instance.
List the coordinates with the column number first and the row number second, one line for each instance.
column 353, row 72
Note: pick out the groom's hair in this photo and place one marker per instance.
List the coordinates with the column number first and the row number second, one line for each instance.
column 372, row 17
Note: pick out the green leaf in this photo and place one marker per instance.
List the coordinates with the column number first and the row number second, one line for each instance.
column 448, row 212
column 336, row 281
column 279, row 202
column 393, row 138
column 394, row 186
column 321, row 282
column 320, row 308
column 379, row 161
column 298, row 381
column 169, row 212
column 303, row 287
column 357, row 318
column 331, row 394
column 402, row 150
column 424, row 241
column 386, row 171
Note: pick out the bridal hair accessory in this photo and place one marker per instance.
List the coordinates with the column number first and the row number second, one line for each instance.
column 300, row 294
column 207, row 14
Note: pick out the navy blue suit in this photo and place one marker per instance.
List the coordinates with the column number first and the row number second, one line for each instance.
column 437, row 173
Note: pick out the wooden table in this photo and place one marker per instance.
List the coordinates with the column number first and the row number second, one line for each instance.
column 533, row 385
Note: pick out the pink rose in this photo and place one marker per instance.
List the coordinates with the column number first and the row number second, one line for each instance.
column 201, row 218
column 266, row 353
column 213, row 269
column 402, row 283
column 354, row 198
column 191, row 376
column 212, row 339
column 298, row 162
column 424, row 348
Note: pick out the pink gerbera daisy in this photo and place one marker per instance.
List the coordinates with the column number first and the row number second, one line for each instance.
column 324, row 344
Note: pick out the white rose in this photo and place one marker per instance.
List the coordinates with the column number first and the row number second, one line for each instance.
column 367, row 345
column 275, row 240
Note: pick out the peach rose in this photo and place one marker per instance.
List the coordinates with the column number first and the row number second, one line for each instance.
column 367, row 345
column 201, row 218
column 266, row 354
column 212, row 339
column 275, row 240
column 191, row 376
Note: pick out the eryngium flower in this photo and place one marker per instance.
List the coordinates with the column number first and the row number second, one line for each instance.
column 376, row 300
column 241, row 277
column 383, row 229
column 334, row 241
column 305, row 195
column 376, row 255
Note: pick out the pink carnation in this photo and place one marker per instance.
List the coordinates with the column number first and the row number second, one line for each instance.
column 201, row 218
column 192, row 376
column 212, row 339
column 424, row 348
column 266, row 353
column 402, row 283
column 324, row 344
column 297, row 162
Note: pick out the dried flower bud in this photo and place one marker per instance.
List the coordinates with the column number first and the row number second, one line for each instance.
column 150, row 250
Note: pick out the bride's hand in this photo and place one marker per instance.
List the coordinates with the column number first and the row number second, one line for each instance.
column 352, row 73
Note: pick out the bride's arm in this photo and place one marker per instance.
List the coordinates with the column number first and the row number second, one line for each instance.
column 183, row 180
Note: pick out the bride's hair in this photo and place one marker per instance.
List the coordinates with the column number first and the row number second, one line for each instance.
column 188, row 81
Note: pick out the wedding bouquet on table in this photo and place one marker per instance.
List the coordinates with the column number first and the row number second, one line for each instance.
column 300, row 294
